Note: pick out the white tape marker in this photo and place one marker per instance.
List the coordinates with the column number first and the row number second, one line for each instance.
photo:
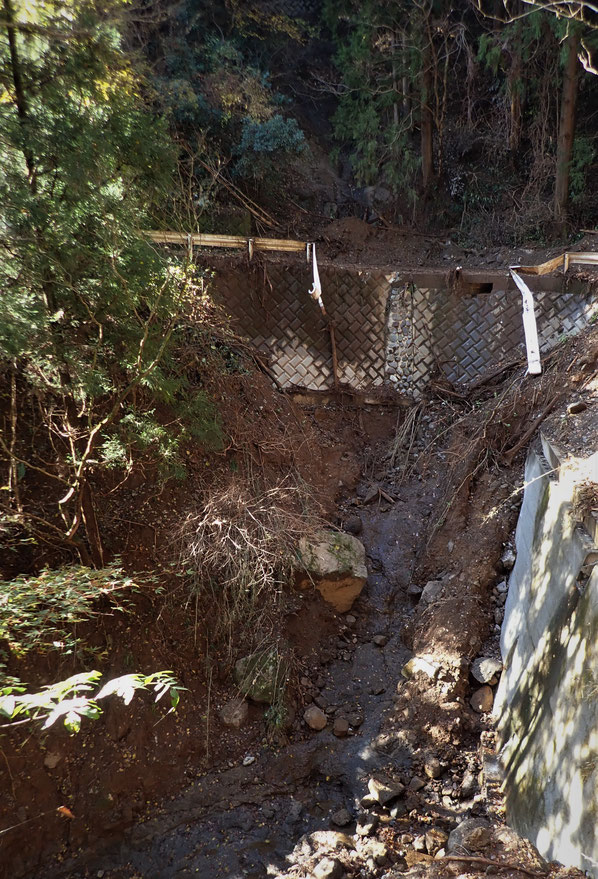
column 316, row 290
column 534, row 366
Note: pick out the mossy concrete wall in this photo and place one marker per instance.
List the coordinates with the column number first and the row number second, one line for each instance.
column 547, row 702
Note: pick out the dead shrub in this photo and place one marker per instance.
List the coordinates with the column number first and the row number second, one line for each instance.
column 240, row 551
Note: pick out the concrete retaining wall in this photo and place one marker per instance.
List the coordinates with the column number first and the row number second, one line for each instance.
column 398, row 329
column 547, row 702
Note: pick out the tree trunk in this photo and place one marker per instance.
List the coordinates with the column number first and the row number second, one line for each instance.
column 426, row 119
column 516, row 90
column 566, row 132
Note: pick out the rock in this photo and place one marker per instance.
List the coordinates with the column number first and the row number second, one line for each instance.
column 52, row 759
column 397, row 810
column 378, row 851
column 432, row 767
column 350, row 619
column 335, row 564
column 248, row 760
column 341, row 727
column 508, row 558
column 412, row 858
column 354, row 525
column 234, row 713
column 502, row 587
column 368, row 801
column 419, row 665
column 294, row 810
column 380, row 640
column 419, row 843
column 328, row 868
column 260, row 676
column 355, row 720
column 482, row 700
column 468, row 785
column 385, row 792
column 484, row 669
column 341, row 818
column 366, row 825
column 471, row 835
column 315, row 717
column 431, row 591
column 414, row 590
column 435, row 840
column 576, row 407
column 416, row 783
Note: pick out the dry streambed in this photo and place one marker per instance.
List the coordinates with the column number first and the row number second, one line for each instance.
column 396, row 775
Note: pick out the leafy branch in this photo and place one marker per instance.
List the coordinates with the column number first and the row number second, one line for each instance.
column 73, row 699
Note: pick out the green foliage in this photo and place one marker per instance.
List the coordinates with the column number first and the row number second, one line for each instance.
column 40, row 613
column 262, row 143
column 91, row 311
column 377, row 49
column 72, row 699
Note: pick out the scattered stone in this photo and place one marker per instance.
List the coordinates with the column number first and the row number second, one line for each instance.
column 432, row 767
column 328, row 868
column 419, row 843
column 385, row 792
column 380, row 640
column 376, row 850
column 52, row 760
column 335, row 563
column 482, row 700
column 355, row 720
column 414, row 590
column 294, row 810
column 435, row 840
column 234, row 713
column 397, row 810
column 502, row 587
column 341, row 727
column 341, row 818
column 450, row 545
column 315, row 717
column 431, row 591
column 417, row 664
column 508, row 558
column 576, row 407
column 468, row 785
column 499, row 615
column 471, row 835
column 416, row 783
column 484, row 669
column 260, row 676
column 377, row 689
column 248, row 760
column 368, row 801
column 350, row 619
column 367, row 825
column 412, row 858
column 354, row 525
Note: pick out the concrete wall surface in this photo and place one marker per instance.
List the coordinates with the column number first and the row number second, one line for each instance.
column 389, row 330
column 547, row 702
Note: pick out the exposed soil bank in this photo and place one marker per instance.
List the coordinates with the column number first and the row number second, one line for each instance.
column 441, row 526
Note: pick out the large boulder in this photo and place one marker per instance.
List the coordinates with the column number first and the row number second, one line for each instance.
column 261, row 676
column 335, row 564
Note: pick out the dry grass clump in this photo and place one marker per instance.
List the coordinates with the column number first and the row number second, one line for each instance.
column 240, row 551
